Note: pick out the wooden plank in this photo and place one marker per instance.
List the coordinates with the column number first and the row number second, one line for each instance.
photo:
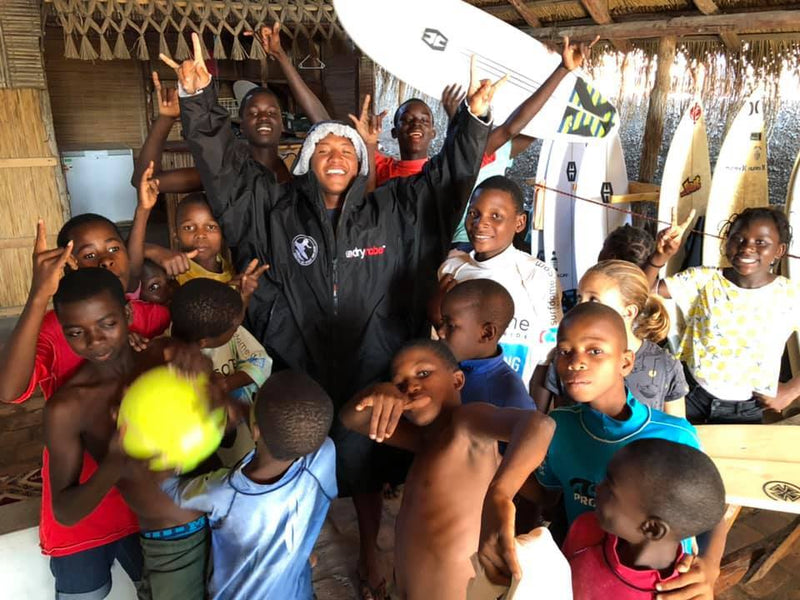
column 731, row 40
column 598, row 10
column 531, row 19
column 640, row 197
column 640, row 187
column 749, row 22
column 16, row 163
column 707, row 7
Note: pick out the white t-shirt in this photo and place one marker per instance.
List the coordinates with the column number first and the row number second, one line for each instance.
column 537, row 302
column 734, row 337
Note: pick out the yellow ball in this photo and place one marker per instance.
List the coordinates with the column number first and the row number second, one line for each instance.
column 167, row 416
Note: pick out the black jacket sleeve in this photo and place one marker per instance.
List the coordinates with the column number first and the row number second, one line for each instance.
column 239, row 191
column 442, row 189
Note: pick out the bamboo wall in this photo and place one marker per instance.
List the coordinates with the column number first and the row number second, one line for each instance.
column 28, row 189
column 31, row 184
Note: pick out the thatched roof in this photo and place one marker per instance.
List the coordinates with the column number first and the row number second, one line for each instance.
column 623, row 23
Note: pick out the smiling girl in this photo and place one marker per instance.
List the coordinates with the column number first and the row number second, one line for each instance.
column 737, row 319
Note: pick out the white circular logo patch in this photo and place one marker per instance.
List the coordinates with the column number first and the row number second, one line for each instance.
column 304, row 249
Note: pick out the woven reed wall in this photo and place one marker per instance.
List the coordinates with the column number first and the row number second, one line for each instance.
column 26, row 192
column 20, row 44
column 95, row 105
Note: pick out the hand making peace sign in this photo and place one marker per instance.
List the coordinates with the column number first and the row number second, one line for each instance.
column 192, row 74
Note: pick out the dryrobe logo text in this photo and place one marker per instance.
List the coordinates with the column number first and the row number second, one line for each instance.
column 434, row 39
column 362, row 253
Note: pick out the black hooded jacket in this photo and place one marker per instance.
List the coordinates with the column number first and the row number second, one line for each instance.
column 336, row 304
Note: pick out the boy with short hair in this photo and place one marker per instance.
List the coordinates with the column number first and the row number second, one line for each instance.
column 210, row 314
column 79, row 424
column 655, row 494
column 475, row 314
column 494, row 216
column 266, row 513
column 633, row 244
column 592, row 361
column 456, row 456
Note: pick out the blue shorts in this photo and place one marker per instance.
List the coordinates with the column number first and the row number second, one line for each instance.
column 86, row 575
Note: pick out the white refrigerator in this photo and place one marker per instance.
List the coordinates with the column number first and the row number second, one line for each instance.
column 99, row 181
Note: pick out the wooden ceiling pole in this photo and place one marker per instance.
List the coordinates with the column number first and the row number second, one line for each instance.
column 526, row 13
column 729, row 38
column 738, row 23
column 598, row 10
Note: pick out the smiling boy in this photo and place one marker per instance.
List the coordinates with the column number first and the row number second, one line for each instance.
column 494, row 216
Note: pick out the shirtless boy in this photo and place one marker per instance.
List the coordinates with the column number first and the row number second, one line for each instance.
column 90, row 305
column 456, row 456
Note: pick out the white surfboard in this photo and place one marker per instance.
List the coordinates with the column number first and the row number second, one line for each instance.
column 428, row 45
column 563, row 167
column 792, row 265
column 686, row 182
column 602, row 175
column 740, row 176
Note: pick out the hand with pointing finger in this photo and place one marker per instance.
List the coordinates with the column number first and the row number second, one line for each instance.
column 669, row 240
column 192, row 73
column 168, row 105
column 481, row 91
column 574, row 55
column 48, row 265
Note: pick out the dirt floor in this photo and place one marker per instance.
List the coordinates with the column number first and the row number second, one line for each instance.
column 337, row 552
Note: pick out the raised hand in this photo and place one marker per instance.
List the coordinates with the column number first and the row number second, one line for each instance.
column 481, row 91
column 369, row 127
column 668, row 241
column 574, row 55
column 192, row 74
column 270, row 40
column 168, row 105
column 452, row 96
column 247, row 281
column 48, row 265
column 148, row 188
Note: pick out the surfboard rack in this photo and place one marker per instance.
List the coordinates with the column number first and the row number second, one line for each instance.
column 638, row 192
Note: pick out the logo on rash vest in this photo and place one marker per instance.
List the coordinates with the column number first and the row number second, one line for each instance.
column 583, row 492
column 304, row 249
column 363, row 253
column 434, row 39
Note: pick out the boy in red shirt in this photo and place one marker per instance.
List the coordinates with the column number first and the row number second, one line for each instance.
column 37, row 354
column 655, row 494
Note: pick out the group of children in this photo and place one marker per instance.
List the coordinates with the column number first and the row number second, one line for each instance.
column 516, row 414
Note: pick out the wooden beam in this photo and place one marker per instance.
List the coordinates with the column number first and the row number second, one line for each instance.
column 749, row 22
column 531, row 19
column 598, row 10
column 654, row 124
column 19, row 163
column 707, row 7
column 731, row 40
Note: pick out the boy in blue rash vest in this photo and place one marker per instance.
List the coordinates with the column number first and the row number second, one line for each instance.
column 475, row 314
column 266, row 513
column 592, row 361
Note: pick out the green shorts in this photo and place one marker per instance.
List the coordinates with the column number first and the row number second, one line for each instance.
column 176, row 568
